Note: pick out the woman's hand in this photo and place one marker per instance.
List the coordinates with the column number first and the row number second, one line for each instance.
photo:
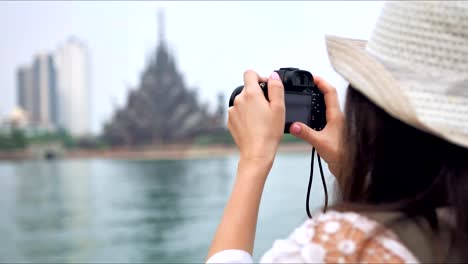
column 257, row 125
column 328, row 141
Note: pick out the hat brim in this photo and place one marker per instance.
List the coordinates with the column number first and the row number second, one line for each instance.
column 382, row 86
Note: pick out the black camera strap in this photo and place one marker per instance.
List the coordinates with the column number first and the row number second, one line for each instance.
column 310, row 182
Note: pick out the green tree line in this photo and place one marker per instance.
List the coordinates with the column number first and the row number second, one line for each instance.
column 13, row 140
column 17, row 139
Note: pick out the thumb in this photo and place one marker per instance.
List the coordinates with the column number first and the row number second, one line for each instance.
column 276, row 91
column 304, row 132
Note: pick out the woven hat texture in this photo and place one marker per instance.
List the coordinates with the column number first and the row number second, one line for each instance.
column 414, row 66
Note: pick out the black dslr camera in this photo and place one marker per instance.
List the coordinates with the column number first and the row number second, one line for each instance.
column 304, row 101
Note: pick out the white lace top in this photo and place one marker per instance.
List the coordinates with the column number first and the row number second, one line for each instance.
column 332, row 237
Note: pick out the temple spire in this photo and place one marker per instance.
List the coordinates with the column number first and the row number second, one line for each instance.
column 163, row 60
column 161, row 27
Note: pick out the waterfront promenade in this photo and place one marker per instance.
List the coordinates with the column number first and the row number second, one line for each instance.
column 164, row 152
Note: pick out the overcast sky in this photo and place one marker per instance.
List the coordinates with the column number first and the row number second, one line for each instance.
column 213, row 42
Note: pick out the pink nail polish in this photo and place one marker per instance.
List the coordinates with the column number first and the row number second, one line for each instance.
column 295, row 129
column 275, row 76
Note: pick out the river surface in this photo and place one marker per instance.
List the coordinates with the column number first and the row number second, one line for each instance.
column 138, row 211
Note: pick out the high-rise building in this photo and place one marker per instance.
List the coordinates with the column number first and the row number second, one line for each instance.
column 25, row 91
column 37, row 91
column 73, row 76
column 45, row 110
column 54, row 92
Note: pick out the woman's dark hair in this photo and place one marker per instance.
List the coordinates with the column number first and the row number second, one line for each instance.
column 389, row 164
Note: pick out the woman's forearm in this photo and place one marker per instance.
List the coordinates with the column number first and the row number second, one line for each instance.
column 238, row 224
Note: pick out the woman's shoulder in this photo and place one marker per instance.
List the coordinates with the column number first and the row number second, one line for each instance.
column 340, row 237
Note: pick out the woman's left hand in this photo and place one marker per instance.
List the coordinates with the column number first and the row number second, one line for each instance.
column 257, row 125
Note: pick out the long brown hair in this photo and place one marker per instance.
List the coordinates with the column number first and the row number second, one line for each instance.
column 391, row 165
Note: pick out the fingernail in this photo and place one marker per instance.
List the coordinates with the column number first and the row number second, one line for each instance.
column 295, row 129
column 274, row 76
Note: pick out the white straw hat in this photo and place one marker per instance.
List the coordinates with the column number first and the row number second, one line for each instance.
column 414, row 66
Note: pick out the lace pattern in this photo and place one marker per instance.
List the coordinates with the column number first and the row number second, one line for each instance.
column 336, row 237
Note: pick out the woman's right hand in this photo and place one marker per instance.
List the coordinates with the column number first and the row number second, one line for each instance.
column 328, row 141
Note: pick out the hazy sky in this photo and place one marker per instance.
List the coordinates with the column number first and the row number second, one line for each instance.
column 213, row 42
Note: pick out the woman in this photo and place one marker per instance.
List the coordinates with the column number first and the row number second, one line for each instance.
column 399, row 155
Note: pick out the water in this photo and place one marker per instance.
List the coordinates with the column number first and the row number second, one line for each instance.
column 137, row 211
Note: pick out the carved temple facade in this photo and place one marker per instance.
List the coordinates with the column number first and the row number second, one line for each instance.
column 162, row 109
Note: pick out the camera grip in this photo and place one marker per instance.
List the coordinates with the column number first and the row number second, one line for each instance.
column 239, row 89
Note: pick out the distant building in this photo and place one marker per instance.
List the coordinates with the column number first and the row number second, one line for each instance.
column 18, row 118
column 162, row 109
column 73, row 76
column 25, row 90
column 54, row 91
column 37, row 91
column 45, row 106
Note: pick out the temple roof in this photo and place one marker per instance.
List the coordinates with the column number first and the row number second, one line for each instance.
column 162, row 108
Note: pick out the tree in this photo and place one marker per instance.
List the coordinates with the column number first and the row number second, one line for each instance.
column 18, row 139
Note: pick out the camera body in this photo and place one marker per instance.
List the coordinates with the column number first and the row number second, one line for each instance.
column 303, row 100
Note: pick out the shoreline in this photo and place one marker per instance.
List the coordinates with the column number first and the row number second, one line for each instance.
column 167, row 152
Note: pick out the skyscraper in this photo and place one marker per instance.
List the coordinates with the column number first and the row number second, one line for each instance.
column 45, row 106
column 73, row 77
column 25, row 91
column 37, row 91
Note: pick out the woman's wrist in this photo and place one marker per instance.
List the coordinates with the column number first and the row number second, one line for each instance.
column 256, row 164
column 254, row 168
column 259, row 161
column 259, row 155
